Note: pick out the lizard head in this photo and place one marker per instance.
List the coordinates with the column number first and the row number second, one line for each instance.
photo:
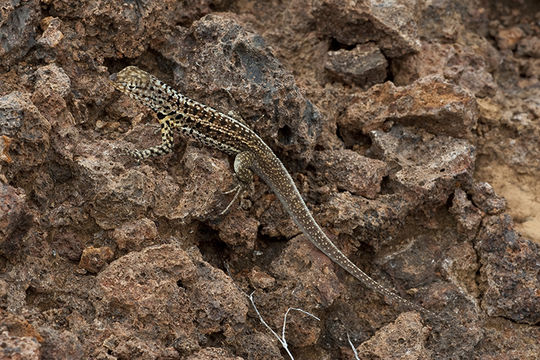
column 142, row 86
column 131, row 79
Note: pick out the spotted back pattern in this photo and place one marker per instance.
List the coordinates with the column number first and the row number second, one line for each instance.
column 215, row 129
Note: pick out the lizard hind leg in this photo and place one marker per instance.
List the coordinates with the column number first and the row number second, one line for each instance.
column 242, row 163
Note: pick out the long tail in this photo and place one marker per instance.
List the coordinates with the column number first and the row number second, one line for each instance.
column 283, row 186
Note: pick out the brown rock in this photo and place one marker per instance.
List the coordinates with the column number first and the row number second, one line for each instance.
column 200, row 298
column 392, row 26
column 259, row 345
column 127, row 195
column 196, row 192
column 21, row 121
column 275, row 222
column 468, row 68
column 4, row 148
column 52, row 86
column 213, row 353
column 406, row 338
column 135, row 235
column 442, row 20
column 503, row 254
column 15, row 219
column 93, row 259
column 508, row 340
column 529, row 46
column 206, row 180
column 239, row 230
column 223, row 65
column 320, row 287
column 52, row 35
column 68, row 128
column 68, row 244
column 467, row 215
column 427, row 167
column 462, row 267
column 300, row 256
column 430, row 103
column 348, row 171
column 484, row 197
column 60, row 344
column 18, row 23
column 369, row 220
column 509, row 38
column 261, row 280
column 364, row 65
column 17, row 326
column 137, row 22
column 18, row 348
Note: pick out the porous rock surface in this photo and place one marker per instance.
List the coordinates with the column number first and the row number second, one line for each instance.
column 411, row 129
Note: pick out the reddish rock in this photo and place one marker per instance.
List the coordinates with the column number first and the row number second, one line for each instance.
column 507, row 39
column 406, row 338
column 372, row 221
column 317, row 268
column 261, row 280
column 213, row 353
column 346, row 170
column 21, row 121
column 467, row 215
column 461, row 267
column 485, row 198
column 363, row 66
column 52, row 35
column 529, row 46
column 470, row 69
column 430, row 103
column 259, row 343
column 17, row 326
column 51, row 88
column 206, row 181
column 65, row 129
column 18, row 348
column 503, row 254
column 224, row 65
column 200, row 299
column 239, row 230
column 4, row 148
column 18, row 25
column 93, row 259
column 135, row 235
column 508, row 339
column 15, row 220
column 392, row 24
column 427, row 167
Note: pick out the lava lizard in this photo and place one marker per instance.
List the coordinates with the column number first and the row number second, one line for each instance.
column 215, row 129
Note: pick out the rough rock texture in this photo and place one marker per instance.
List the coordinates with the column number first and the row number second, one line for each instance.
column 18, row 26
column 430, row 102
column 410, row 127
column 509, row 272
column 18, row 348
column 364, row 65
column 403, row 339
column 346, row 170
column 392, row 24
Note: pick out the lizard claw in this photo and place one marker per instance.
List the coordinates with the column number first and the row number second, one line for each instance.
column 238, row 189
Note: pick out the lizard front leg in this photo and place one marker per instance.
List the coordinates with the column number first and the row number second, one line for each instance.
column 167, row 141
